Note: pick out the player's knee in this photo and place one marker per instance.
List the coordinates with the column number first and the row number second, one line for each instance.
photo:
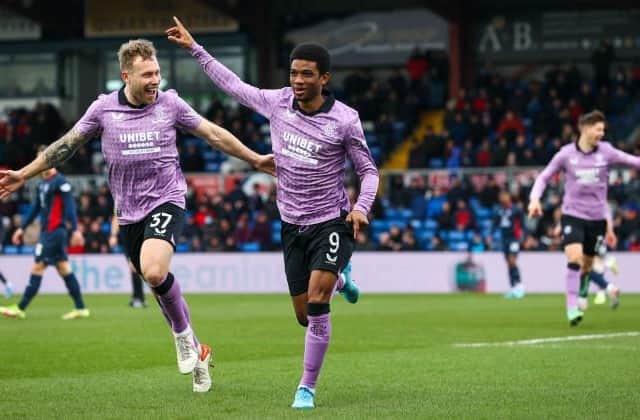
column 575, row 258
column 38, row 269
column 302, row 319
column 154, row 274
column 320, row 295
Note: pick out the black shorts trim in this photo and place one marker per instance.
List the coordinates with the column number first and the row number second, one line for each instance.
column 326, row 246
column 589, row 233
column 164, row 222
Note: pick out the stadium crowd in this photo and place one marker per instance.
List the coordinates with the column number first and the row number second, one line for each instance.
column 509, row 123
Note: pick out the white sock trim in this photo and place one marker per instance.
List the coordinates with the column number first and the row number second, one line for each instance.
column 313, row 390
column 183, row 333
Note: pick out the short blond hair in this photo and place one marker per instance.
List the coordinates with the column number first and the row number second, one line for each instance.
column 135, row 48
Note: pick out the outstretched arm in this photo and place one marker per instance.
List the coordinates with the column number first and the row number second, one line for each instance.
column 625, row 159
column 56, row 154
column 221, row 139
column 260, row 100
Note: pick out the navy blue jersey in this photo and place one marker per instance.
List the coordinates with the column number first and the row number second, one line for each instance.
column 54, row 204
column 510, row 220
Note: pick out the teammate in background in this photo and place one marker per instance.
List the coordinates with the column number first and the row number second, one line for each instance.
column 510, row 218
column 137, row 126
column 56, row 208
column 586, row 166
column 137, row 297
column 312, row 134
column 8, row 287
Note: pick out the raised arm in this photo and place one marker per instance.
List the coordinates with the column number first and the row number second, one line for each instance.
column 56, row 154
column 221, row 139
column 260, row 100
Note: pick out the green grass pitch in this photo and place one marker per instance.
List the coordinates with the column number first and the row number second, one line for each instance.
column 391, row 356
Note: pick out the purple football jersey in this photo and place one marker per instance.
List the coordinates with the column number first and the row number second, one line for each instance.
column 310, row 149
column 139, row 147
column 586, row 178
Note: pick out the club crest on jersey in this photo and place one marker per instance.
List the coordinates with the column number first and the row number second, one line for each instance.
column 117, row 116
column 159, row 115
column 330, row 130
column 573, row 161
column 290, row 114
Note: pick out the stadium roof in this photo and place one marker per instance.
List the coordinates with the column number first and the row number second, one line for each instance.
column 60, row 22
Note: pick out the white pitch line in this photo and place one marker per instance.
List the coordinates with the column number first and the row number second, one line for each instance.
column 533, row 341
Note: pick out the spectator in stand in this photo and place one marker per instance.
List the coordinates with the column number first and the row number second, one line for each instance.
column 417, row 154
column 363, row 243
column 386, row 244
column 416, row 66
column 463, row 217
column 446, row 220
column 467, row 155
column 192, row 160
column 634, row 242
column 601, row 59
column 261, row 232
column 398, row 83
column 409, row 242
column 511, row 126
column 437, row 244
column 477, row 131
column 452, row 154
column 242, row 232
column 484, row 155
column 395, row 235
column 434, row 147
column 458, row 129
column 96, row 241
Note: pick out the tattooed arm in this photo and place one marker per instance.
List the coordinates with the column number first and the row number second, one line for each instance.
column 54, row 155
